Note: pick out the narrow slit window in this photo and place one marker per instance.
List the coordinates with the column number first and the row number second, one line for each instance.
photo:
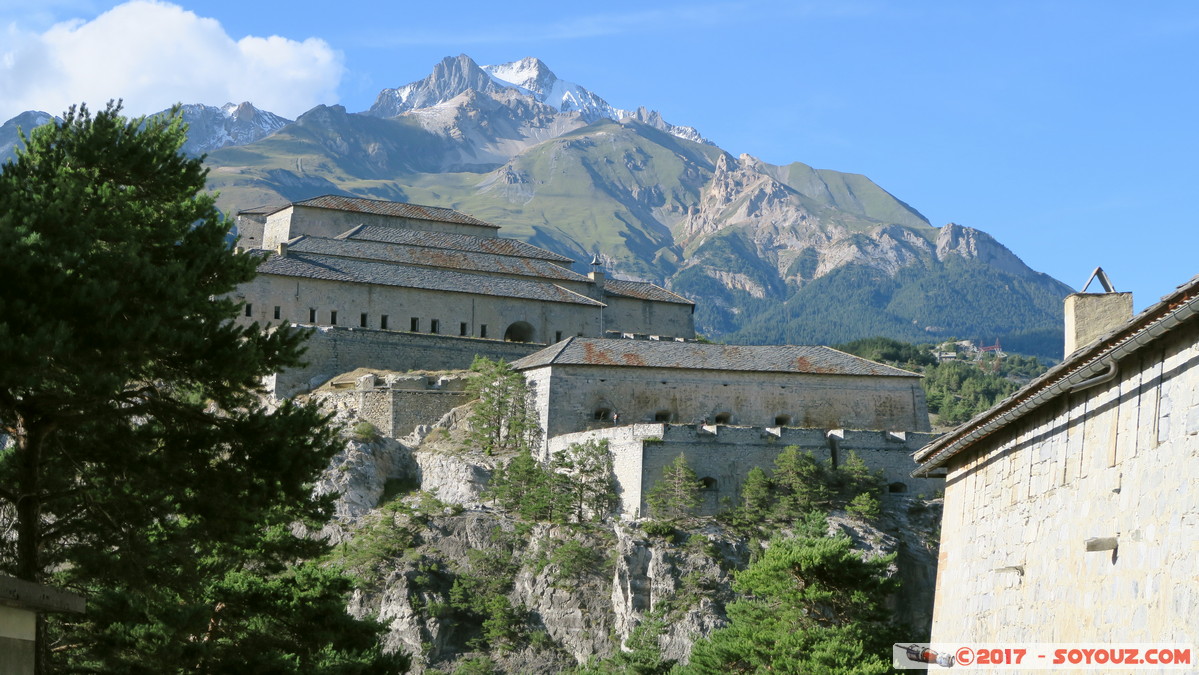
column 483, row 330
column 249, row 309
column 311, row 315
column 414, row 325
column 435, row 326
column 333, row 318
column 278, row 312
column 462, row 328
column 383, row 322
column 362, row 321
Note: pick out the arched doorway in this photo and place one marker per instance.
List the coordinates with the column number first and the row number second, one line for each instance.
column 520, row 331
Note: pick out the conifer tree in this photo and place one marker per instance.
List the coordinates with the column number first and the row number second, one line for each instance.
column 502, row 420
column 140, row 467
column 677, row 494
column 809, row 604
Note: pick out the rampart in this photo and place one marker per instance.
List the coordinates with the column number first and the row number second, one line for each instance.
column 332, row 350
column 723, row 455
column 397, row 405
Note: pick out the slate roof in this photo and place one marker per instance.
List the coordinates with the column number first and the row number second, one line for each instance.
column 458, row 242
column 386, row 208
column 700, row 356
column 377, row 207
column 332, row 268
column 451, row 259
column 642, row 290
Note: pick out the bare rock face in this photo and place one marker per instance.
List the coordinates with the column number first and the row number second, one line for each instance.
column 969, row 243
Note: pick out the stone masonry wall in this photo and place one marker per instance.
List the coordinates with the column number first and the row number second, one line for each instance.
column 332, row 351
column 642, row 452
column 576, row 398
column 396, row 413
column 1119, row 461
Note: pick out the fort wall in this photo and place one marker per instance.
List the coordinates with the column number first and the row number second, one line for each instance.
column 725, row 455
column 333, row 303
column 584, row 397
column 332, row 351
column 1081, row 523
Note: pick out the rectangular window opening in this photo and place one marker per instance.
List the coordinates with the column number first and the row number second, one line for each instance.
column 362, row 320
column 415, row 325
column 435, row 326
column 557, row 336
column 249, row 309
column 462, row 328
column 311, row 315
column 483, row 330
column 333, row 318
column 278, row 312
column 383, row 322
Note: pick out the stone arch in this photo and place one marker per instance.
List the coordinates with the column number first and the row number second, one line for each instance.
column 723, row 418
column 897, row 487
column 662, row 416
column 520, row 331
column 782, row 420
column 603, row 414
column 707, row 483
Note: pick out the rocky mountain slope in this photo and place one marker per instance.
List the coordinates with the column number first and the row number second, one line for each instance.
column 770, row 253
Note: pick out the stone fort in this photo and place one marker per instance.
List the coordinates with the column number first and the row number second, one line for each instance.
column 401, row 287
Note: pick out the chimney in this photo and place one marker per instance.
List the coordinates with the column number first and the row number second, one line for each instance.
column 1090, row 316
column 597, row 271
column 281, row 249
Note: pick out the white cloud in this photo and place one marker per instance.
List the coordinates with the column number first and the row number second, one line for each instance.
column 153, row 54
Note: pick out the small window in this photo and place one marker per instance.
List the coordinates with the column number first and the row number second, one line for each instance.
column 311, row 315
column 414, row 325
column 707, row 483
column 724, row 418
column 462, row 328
column 435, row 326
column 557, row 336
column 278, row 312
column 362, row 321
column 782, row 420
column 333, row 318
column 662, row 416
column 249, row 309
column 383, row 322
column 483, row 330
column 603, row 413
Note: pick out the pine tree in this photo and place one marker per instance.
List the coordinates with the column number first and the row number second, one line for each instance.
column 503, row 419
column 800, row 482
column 677, row 494
column 809, row 604
column 142, row 469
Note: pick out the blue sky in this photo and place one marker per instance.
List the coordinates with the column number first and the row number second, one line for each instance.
column 1067, row 130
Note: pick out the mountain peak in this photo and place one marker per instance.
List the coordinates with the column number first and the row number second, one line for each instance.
column 530, row 74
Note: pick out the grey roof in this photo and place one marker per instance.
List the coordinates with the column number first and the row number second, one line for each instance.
column 1178, row 309
column 700, row 356
column 377, row 207
column 642, row 290
column 436, row 257
column 458, row 242
column 331, row 268
column 386, row 208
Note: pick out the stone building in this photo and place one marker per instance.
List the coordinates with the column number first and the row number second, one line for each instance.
column 367, row 264
column 1072, row 507
column 728, row 408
